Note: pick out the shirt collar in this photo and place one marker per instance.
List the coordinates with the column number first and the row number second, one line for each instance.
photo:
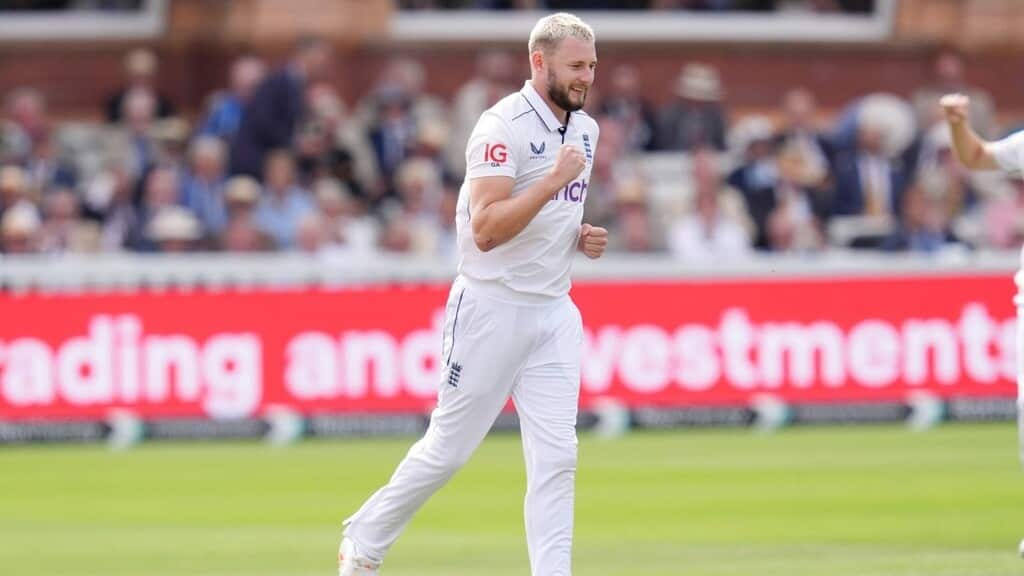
column 540, row 106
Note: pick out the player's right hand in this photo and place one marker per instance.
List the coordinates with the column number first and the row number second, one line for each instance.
column 954, row 106
column 568, row 165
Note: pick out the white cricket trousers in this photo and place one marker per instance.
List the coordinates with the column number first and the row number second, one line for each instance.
column 496, row 344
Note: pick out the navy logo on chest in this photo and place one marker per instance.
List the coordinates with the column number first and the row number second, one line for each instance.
column 538, row 150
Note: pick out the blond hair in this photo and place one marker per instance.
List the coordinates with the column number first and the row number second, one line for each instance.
column 551, row 30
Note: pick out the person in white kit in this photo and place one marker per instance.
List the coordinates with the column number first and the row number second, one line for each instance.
column 511, row 328
column 974, row 152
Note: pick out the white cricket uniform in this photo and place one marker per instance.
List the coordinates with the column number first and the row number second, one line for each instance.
column 510, row 330
column 1009, row 152
column 1009, row 155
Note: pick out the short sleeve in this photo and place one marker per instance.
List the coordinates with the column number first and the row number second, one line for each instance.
column 491, row 150
column 1009, row 152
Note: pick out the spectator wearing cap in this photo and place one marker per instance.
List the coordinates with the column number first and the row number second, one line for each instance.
column 173, row 229
column 283, row 204
column 242, row 234
column 241, row 197
column 697, row 116
column 140, row 69
column 19, row 229
column 14, row 186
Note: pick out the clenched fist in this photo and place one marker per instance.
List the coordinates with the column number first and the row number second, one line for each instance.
column 954, row 106
column 568, row 165
column 593, row 240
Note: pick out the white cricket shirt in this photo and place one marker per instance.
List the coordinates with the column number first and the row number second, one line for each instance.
column 1009, row 152
column 520, row 137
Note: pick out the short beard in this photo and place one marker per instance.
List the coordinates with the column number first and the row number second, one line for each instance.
column 561, row 96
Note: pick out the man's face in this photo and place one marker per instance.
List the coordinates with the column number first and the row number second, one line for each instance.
column 570, row 72
column 318, row 61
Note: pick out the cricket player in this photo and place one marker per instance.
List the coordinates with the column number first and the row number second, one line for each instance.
column 510, row 327
column 974, row 152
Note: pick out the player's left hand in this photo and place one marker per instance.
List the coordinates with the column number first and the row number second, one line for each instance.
column 593, row 240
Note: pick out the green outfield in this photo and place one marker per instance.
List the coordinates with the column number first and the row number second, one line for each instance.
column 863, row 501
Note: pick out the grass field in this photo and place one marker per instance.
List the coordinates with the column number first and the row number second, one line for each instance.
column 864, row 501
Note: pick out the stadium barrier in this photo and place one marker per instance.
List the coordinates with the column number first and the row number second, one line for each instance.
column 304, row 349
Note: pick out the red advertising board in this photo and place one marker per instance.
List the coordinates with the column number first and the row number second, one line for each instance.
column 670, row 343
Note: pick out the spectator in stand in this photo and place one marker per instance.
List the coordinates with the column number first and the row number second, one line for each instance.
column 407, row 78
column 46, row 168
column 948, row 78
column 173, row 229
column 202, row 190
column 19, row 229
column 871, row 173
column 696, row 118
column 709, row 233
column 334, row 145
column 63, row 229
column 924, row 223
column 625, row 102
column 758, row 174
column 140, row 69
column 395, row 235
column 311, row 235
column 225, row 113
column 346, row 228
column 611, row 165
column 800, row 130
column 242, row 234
column 241, row 197
column 798, row 207
column 495, row 77
column 274, row 112
column 634, row 231
column 392, row 135
column 14, row 187
column 420, row 193
column 161, row 190
column 447, row 242
column 283, row 203
column 134, row 140
column 1002, row 218
column 25, row 126
column 108, row 201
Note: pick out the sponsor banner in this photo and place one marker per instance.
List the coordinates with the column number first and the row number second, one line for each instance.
column 653, row 345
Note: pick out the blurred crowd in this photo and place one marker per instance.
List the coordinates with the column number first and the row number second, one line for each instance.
column 278, row 161
column 805, row 6
column 824, row 6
